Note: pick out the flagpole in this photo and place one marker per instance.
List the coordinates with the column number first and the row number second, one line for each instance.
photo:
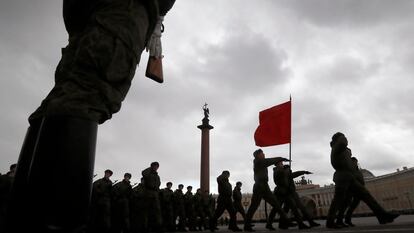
column 290, row 143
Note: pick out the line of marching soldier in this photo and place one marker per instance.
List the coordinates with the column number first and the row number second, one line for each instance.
column 123, row 208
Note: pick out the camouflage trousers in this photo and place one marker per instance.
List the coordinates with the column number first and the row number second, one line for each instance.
column 93, row 75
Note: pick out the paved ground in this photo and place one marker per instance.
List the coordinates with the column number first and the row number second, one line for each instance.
column 403, row 224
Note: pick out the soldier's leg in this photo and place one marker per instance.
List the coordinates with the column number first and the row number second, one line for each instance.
column 361, row 192
column 61, row 173
column 221, row 206
column 272, row 215
column 19, row 192
column 339, row 197
column 342, row 209
column 156, row 213
column 233, row 215
column 271, row 199
column 182, row 219
column 354, row 204
column 290, row 201
column 239, row 208
column 304, row 211
column 270, row 219
column 255, row 202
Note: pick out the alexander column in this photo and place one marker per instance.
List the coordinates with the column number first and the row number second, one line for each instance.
column 205, row 151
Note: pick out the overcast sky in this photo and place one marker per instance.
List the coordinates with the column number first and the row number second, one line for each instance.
column 348, row 65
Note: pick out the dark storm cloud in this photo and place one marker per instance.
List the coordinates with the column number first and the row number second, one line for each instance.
column 243, row 60
column 350, row 13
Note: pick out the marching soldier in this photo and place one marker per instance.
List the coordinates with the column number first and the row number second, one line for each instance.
column 208, row 206
column 237, row 198
column 137, row 208
column 179, row 208
column 166, row 198
column 121, row 194
column 261, row 190
column 224, row 202
column 152, row 184
column 346, row 182
column 101, row 204
column 199, row 210
column 284, row 192
column 189, row 209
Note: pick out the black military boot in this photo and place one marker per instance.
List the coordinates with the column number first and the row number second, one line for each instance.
column 60, row 175
column 19, row 192
column 387, row 217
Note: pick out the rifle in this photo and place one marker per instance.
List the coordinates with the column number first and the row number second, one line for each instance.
column 154, row 69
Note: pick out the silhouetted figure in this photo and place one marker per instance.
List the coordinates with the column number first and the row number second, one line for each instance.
column 199, row 210
column 305, row 214
column 189, row 209
column 137, row 209
column 224, row 202
column 167, row 207
column 346, row 182
column 152, row 184
column 352, row 201
column 179, row 208
column 121, row 194
column 261, row 189
column 100, row 218
column 106, row 39
column 237, row 199
column 6, row 182
column 285, row 191
column 208, row 207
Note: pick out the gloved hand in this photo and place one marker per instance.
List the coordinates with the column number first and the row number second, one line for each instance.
column 154, row 44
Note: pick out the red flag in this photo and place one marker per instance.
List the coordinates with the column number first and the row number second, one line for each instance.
column 274, row 125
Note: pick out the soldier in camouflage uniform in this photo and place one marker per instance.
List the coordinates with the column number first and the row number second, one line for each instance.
column 166, row 197
column 189, row 209
column 237, row 199
column 179, row 208
column 284, row 193
column 152, row 184
column 106, row 39
column 346, row 182
column 100, row 220
column 137, row 208
column 198, row 209
column 261, row 190
column 208, row 207
column 224, row 202
column 121, row 194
